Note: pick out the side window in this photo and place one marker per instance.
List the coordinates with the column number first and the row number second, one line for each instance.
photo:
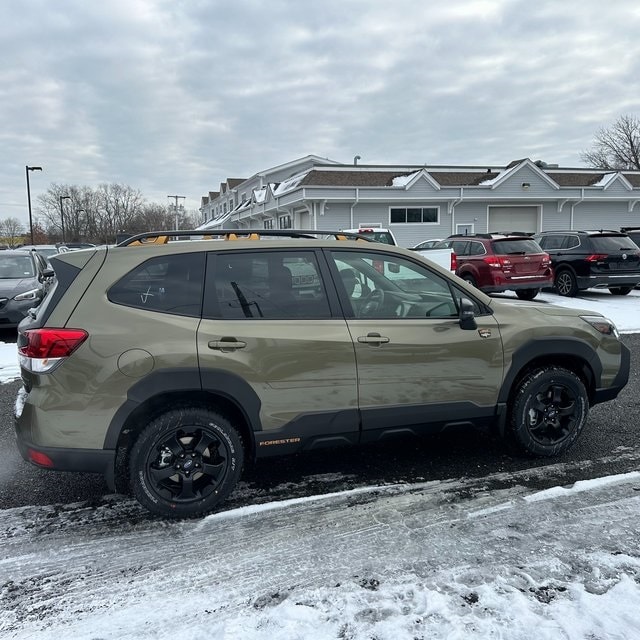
column 460, row 247
column 378, row 285
column 274, row 285
column 476, row 248
column 167, row 284
column 551, row 242
column 571, row 242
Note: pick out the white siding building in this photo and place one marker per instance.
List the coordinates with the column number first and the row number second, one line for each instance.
column 422, row 202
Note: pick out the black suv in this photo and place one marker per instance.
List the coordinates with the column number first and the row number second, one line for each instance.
column 592, row 259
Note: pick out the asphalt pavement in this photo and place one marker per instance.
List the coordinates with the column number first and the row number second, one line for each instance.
column 609, row 445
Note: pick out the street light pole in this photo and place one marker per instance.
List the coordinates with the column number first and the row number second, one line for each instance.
column 62, row 215
column 26, row 170
column 176, row 197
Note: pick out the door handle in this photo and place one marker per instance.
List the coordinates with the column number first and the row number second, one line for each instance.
column 373, row 338
column 225, row 344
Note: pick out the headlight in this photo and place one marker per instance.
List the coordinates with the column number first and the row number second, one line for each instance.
column 603, row 325
column 28, row 295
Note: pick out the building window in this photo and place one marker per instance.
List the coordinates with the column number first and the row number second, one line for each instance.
column 284, row 222
column 243, row 197
column 414, row 215
column 268, row 224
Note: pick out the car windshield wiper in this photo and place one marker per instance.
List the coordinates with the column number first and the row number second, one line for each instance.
column 517, row 253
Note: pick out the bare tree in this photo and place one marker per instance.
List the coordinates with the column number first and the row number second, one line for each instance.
column 616, row 147
column 12, row 230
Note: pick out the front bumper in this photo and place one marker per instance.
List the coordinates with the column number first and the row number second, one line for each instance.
column 619, row 382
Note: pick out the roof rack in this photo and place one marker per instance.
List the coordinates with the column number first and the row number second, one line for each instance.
column 162, row 237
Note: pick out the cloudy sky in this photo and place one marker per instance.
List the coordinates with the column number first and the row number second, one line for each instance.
column 174, row 96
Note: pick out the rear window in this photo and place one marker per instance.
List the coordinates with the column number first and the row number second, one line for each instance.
column 168, row 284
column 611, row 244
column 513, row 246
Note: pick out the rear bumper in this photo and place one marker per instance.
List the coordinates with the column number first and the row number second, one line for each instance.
column 614, row 280
column 517, row 284
column 81, row 460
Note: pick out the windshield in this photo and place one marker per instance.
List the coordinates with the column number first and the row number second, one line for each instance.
column 16, row 267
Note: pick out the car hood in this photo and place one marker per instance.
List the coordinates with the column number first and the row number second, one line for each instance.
column 552, row 310
column 10, row 287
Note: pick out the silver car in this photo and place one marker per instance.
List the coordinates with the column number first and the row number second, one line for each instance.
column 25, row 277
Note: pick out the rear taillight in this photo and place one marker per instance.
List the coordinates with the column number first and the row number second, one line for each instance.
column 546, row 260
column 596, row 257
column 498, row 262
column 41, row 350
column 454, row 261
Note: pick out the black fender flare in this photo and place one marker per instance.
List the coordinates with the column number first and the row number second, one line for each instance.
column 224, row 383
column 547, row 346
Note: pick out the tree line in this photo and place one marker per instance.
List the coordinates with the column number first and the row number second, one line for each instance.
column 74, row 213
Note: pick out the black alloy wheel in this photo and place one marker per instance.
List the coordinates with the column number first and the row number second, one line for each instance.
column 549, row 411
column 185, row 463
column 566, row 284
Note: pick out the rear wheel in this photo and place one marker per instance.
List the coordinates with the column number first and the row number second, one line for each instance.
column 566, row 284
column 620, row 291
column 549, row 411
column 527, row 294
column 185, row 462
column 470, row 279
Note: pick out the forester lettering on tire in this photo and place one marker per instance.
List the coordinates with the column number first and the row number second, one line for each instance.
column 549, row 411
column 186, row 462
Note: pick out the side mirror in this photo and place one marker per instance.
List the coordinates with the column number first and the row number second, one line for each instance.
column 467, row 315
column 48, row 273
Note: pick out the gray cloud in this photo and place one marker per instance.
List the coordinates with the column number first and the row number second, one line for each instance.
column 173, row 97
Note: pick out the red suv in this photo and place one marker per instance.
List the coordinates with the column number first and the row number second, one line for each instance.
column 494, row 262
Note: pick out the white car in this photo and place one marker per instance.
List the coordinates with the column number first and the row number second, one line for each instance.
column 375, row 233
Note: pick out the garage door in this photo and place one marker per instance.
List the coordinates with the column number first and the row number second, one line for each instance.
column 513, row 219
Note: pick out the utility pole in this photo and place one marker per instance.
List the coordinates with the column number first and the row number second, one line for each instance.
column 177, row 197
column 27, row 169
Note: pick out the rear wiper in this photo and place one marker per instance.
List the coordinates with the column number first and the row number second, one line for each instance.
column 516, row 253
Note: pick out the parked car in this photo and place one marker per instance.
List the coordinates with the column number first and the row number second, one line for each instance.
column 494, row 263
column 25, row 278
column 46, row 250
column 166, row 366
column 375, row 233
column 426, row 244
column 592, row 259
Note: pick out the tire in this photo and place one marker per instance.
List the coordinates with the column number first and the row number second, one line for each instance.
column 470, row 279
column 566, row 284
column 548, row 412
column 620, row 291
column 527, row 294
column 204, row 452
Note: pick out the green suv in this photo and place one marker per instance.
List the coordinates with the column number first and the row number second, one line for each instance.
column 165, row 365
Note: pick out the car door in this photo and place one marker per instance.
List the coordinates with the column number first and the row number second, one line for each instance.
column 273, row 338
column 416, row 365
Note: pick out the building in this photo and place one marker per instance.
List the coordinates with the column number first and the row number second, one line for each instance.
column 423, row 202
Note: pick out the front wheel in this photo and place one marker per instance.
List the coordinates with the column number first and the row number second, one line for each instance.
column 620, row 291
column 527, row 294
column 185, row 462
column 548, row 412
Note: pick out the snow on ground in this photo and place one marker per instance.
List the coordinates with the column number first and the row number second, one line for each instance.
column 452, row 559
column 435, row 560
